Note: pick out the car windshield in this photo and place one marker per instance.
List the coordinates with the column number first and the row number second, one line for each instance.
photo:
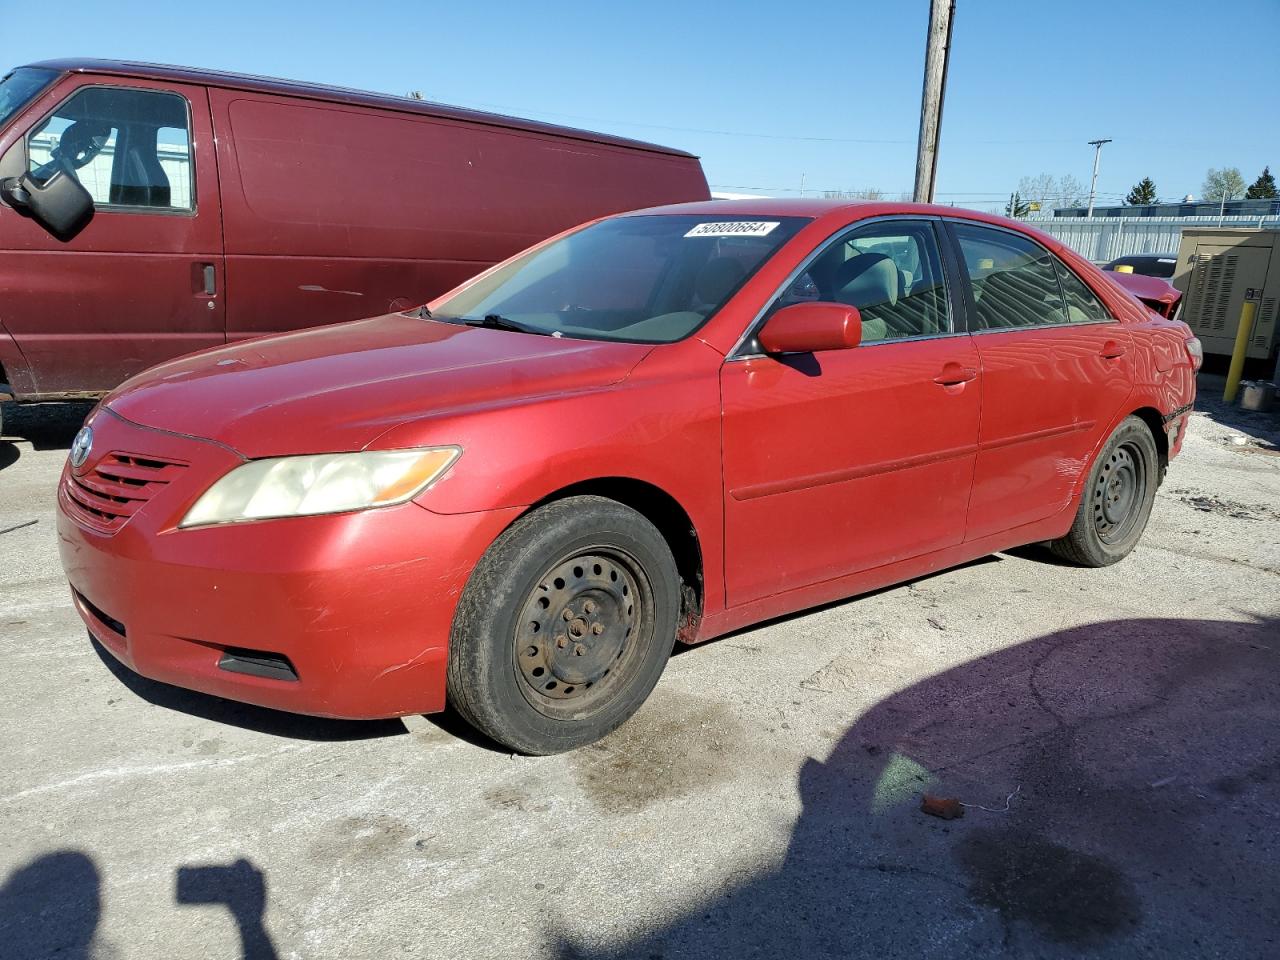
column 641, row 279
column 21, row 87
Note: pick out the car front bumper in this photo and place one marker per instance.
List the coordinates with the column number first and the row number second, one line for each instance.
column 358, row 606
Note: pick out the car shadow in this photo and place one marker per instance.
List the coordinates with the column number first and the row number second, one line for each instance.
column 682, row 649
column 1122, row 781
column 276, row 723
column 52, row 906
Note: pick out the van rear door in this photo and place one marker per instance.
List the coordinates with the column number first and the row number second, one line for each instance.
column 142, row 281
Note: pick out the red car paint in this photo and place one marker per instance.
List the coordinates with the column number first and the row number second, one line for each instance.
column 311, row 205
column 803, row 482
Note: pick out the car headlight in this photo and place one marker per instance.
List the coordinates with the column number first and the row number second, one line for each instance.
column 322, row 483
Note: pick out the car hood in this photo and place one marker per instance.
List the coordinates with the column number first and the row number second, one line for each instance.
column 338, row 388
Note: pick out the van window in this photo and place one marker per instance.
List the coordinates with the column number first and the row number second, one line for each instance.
column 21, row 87
column 129, row 148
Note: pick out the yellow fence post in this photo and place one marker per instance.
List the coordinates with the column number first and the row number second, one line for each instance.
column 1243, row 333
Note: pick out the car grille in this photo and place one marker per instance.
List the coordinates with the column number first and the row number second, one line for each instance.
column 117, row 487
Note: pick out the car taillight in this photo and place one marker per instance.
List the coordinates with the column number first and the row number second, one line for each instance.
column 1196, row 352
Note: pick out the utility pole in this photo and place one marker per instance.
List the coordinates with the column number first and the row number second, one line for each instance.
column 937, row 51
column 1093, row 184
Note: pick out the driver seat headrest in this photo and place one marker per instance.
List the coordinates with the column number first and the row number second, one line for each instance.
column 867, row 280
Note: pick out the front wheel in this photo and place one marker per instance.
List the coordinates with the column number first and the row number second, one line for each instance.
column 1117, row 499
column 564, row 627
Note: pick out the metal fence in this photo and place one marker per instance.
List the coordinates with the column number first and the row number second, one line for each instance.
column 1105, row 238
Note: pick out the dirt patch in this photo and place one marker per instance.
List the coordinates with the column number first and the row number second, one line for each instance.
column 366, row 838
column 517, row 799
column 1067, row 896
column 1224, row 508
column 676, row 745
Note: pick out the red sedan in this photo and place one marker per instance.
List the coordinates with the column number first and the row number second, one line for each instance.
column 660, row 426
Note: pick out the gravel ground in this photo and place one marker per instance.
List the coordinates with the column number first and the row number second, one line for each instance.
column 1115, row 734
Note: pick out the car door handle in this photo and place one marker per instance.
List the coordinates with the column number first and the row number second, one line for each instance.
column 1112, row 350
column 953, row 374
column 210, row 280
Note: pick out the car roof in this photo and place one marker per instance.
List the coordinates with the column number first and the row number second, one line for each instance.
column 818, row 208
column 319, row 91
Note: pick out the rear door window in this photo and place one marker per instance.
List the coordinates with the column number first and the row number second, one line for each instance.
column 1083, row 305
column 1013, row 279
column 129, row 148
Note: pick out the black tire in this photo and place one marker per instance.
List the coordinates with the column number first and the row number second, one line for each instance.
column 564, row 627
column 1117, row 499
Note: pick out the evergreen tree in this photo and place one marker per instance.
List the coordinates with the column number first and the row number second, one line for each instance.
column 1143, row 193
column 1016, row 209
column 1264, row 188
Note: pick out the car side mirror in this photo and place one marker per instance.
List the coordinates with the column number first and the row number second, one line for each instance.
column 810, row 327
column 61, row 204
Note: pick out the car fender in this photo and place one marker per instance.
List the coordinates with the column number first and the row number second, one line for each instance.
column 660, row 427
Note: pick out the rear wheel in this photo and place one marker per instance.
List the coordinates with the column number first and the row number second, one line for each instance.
column 565, row 626
column 1117, row 499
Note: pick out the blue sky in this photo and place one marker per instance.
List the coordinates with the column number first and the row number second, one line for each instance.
column 768, row 93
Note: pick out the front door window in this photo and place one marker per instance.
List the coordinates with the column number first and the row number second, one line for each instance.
column 128, row 148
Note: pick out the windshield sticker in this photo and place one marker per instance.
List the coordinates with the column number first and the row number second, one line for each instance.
column 733, row 228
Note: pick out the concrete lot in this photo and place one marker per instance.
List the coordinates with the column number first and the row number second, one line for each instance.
column 764, row 803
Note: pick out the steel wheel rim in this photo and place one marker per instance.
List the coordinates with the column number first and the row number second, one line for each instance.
column 580, row 631
column 1118, row 493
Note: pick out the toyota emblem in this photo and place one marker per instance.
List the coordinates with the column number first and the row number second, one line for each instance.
column 80, row 447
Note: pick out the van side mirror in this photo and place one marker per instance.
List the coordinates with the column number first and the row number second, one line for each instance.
column 61, row 204
column 810, row 327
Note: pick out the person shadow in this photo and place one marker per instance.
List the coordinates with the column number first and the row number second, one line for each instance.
column 51, row 907
column 1121, row 780
column 242, row 889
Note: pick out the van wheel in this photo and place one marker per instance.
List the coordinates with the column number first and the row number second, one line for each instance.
column 1117, row 499
column 564, row 627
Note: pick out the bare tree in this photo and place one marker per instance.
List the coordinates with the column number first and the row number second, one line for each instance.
column 1224, row 184
column 1041, row 189
column 1071, row 192
column 1049, row 191
column 866, row 193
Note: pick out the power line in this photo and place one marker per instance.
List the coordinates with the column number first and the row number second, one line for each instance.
column 954, row 195
column 756, row 135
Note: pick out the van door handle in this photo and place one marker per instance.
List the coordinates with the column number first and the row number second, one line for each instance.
column 210, row 281
column 1112, row 350
column 953, row 375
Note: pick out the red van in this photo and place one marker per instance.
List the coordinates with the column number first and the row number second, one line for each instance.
column 150, row 211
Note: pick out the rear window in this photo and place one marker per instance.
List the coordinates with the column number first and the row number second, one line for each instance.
column 21, row 87
column 642, row 279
